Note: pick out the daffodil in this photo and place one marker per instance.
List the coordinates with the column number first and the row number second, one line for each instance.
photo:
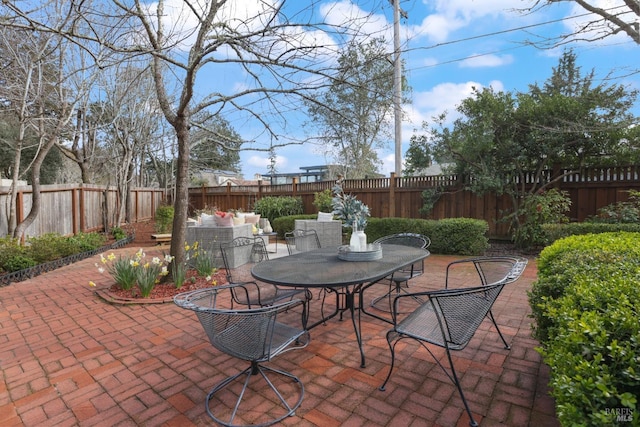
column 111, row 256
column 156, row 260
column 100, row 270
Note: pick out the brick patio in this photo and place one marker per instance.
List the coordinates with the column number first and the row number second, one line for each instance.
column 69, row 358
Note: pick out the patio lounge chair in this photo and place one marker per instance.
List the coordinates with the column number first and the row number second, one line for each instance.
column 399, row 281
column 449, row 318
column 489, row 269
column 239, row 256
column 255, row 335
column 301, row 241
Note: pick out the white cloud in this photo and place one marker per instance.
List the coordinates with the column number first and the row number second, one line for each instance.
column 263, row 162
column 481, row 61
column 451, row 15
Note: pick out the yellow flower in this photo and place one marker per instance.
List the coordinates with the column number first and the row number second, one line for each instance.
column 133, row 263
column 103, row 259
column 92, row 283
column 187, row 247
column 111, row 256
column 195, row 245
column 146, row 265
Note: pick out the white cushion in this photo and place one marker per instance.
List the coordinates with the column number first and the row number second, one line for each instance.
column 324, row 216
column 207, row 219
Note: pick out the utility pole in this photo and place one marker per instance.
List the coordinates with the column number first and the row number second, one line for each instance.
column 397, row 85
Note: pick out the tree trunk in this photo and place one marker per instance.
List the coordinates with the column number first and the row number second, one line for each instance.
column 35, row 191
column 181, row 204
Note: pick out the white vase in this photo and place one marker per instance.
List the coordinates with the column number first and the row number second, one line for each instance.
column 362, row 240
column 267, row 227
column 354, row 242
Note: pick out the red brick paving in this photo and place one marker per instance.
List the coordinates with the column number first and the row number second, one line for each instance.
column 69, row 358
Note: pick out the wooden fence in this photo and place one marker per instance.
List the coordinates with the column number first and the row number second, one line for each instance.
column 69, row 209
column 589, row 190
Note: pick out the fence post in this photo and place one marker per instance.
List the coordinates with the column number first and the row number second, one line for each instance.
column 392, row 195
column 74, row 210
column 294, row 186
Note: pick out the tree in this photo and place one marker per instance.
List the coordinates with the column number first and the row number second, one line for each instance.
column 356, row 108
column 520, row 144
column 622, row 18
column 418, row 155
column 281, row 48
column 215, row 145
column 39, row 94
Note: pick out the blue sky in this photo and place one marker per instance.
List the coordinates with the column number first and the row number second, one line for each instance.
column 448, row 50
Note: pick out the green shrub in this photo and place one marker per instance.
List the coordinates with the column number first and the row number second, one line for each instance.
column 555, row 232
column 323, row 201
column 49, row 247
column 621, row 212
column 585, row 304
column 9, row 249
column 45, row 248
column 118, row 233
column 18, row 262
column 287, row 223
column 536, row 210
column 461, row 236
column 164, row 219
column 85, row 242
column 275, row 207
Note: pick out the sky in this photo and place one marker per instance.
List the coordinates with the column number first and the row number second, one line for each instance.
column 452, row 46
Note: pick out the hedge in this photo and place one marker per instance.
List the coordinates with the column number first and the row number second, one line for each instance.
column 586, row 303
column 453, row 236
column 554, row 232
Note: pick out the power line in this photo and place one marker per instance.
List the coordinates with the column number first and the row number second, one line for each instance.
column 489, row 35
column 495, row 33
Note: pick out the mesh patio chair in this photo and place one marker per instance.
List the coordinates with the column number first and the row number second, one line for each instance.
column 483, row 271
column 307, row 240
column 301, row 241
column 239, row 256
column 255, row 335
column 399, row 281
column 447, row 318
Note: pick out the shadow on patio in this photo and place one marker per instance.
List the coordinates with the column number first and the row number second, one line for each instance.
column 69, row 358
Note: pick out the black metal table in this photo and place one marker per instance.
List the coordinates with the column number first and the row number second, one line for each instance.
column 321, row 268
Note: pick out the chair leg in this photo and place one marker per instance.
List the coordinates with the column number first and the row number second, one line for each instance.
column 453, row 376
column 251, row 371
column 392, row 347
column 472, row 422
column 506, row 345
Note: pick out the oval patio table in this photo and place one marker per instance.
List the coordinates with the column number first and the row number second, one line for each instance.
column 321, row 268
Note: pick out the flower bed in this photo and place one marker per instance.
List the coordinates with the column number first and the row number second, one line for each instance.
column 161, row 293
